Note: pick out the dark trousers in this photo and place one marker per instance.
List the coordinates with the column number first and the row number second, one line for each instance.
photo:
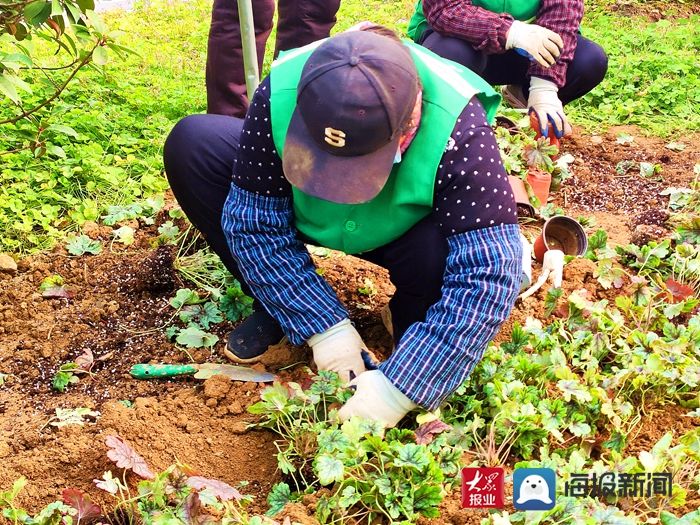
column 199, row 154
column 586, row 70
column 300, row 22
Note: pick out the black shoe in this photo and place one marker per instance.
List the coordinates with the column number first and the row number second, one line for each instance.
column 250, row 339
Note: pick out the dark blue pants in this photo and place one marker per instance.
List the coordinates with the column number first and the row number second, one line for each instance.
column 199, row 154
column 586, row 70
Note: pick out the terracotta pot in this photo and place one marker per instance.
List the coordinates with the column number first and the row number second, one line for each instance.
column 540, row 181
column 561, row 233
column 521, row 197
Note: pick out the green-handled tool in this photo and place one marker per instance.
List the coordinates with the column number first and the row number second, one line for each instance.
column 201, row 371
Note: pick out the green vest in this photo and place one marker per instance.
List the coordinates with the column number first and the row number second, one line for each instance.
column 407, row 196
column 523, row 10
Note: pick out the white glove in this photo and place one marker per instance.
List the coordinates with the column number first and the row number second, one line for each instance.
column 376, row 398
column 544, row 101
column 552, row 266
column 553, row 261
column 537, row 42
column 339, row 349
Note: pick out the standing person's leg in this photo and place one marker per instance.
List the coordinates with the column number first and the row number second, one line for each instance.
column 225, row 74
column 304, row 21
column 416, row 263
column 198, row 155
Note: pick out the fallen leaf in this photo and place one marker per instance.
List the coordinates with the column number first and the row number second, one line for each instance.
column 624, row 139
column 427, row 431
column 220, row 489
column 72, row 416
column 75, row 498
column 675, row 146
column 126, row 457
column 679, row 291
column 86, row 360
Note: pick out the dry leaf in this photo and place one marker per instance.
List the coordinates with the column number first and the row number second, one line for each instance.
column 86, row 360
column 221, row 490
column 87, row 510
column 126, row 457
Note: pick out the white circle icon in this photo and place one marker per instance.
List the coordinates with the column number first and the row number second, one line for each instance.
column 534, row 487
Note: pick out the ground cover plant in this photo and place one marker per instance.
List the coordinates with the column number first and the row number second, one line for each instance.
column 602, row 374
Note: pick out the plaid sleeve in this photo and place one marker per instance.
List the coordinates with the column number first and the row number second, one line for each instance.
column 564, row 18
column 485, row 30
column 481, row 283
column 276, row 265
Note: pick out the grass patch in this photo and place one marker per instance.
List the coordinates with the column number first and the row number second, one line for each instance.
column 123, row 113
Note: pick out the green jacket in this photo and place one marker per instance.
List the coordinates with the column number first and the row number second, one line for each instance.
column 407, row 196
column 523, row 10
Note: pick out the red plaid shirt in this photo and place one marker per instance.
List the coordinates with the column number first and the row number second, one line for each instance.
column 487, row 31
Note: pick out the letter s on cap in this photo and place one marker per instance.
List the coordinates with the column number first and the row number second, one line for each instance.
column 335, row 137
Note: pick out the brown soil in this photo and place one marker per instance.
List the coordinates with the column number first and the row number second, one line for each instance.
column 118, row 309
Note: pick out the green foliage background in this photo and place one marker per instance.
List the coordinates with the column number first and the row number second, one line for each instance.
column 123, row 113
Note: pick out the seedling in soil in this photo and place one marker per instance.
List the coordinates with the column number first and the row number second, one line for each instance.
column 649, row 170
column 52, row 288
column 368, row 287
column 168, row 233
column 82, row 244
column 66, row 374
column 124, row 235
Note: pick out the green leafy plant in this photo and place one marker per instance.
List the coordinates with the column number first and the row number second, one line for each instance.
column 66, row 374
column 82, row 244
column 369, row 475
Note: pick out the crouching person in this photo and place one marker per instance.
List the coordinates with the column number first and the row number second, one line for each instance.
column 379, row 148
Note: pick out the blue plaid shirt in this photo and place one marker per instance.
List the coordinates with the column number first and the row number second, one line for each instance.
column 483, row 269
column 434, row 357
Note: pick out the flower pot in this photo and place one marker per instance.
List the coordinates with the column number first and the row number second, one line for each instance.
column 521, row 197
column 561, row 233
column 540, row 181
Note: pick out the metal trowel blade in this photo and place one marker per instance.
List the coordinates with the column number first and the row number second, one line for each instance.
column 233, row 372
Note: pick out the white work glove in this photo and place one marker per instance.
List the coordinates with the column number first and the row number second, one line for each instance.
column 544, row 102
column 339, row 349
column 536, row 42
column 376, row 398
column 552, row 267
